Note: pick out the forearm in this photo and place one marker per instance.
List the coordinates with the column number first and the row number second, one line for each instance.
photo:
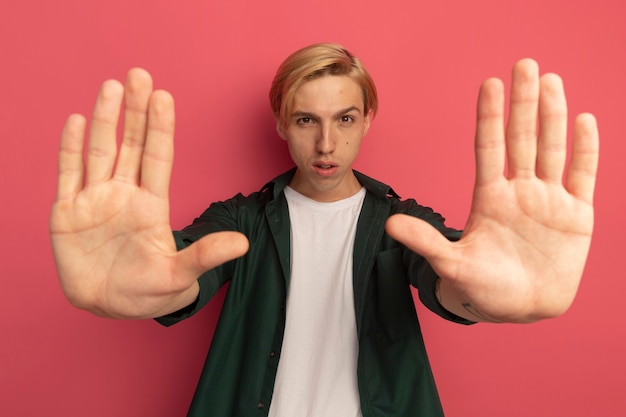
column 178, row 302
column 457, row 302
column 137, row 306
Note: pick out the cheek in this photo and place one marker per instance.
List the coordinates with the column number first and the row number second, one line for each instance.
column 354, row 141
column 298, row 149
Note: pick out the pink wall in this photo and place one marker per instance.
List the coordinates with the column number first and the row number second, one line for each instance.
column 217, row 58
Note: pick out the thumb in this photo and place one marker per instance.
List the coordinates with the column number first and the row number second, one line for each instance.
column 418, row 235
column 211, row 251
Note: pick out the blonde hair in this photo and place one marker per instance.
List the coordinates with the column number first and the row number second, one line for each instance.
column 316, row 61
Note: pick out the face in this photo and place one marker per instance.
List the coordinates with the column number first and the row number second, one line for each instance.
column 324, row 133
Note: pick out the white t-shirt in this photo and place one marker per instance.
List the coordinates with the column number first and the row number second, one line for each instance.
column 317, row 370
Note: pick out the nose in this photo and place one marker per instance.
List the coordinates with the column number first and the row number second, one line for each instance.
column 326, row 140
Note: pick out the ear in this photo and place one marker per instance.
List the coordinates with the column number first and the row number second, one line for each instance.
column 280, row 129
column 367, row 121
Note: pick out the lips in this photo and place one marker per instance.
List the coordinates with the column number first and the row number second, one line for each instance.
column 325, row 164
column 324, row 168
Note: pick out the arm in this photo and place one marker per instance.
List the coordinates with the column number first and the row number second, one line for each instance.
column 111, row 239
column 525, row 244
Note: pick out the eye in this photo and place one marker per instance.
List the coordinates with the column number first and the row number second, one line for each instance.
column 346, row 119
column 304, row 121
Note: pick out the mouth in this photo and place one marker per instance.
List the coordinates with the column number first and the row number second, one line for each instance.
column 324, row 164
column 325, row 169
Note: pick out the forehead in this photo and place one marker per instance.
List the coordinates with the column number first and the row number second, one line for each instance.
column 327, row 94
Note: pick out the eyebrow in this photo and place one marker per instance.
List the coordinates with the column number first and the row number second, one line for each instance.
column 316, row 116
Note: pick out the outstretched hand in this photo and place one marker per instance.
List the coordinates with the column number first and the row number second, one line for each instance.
column 109, row 226
column 524, row 248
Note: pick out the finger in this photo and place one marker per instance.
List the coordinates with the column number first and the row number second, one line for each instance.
column 102, row 137
column 209, row 252
column 521, row 134
column 581, row 174
column 552, row 143
column 158, row 155
column 489, row 143
column 418, row 235
column 136, row 99
column 71, row 165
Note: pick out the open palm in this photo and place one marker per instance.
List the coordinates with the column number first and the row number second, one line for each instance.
column 110, row 230
column 523, row 250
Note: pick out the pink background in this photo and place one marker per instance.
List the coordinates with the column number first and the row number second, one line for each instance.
column 217, row 58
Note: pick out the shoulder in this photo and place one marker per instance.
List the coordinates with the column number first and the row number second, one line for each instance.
column 269, row 192
column 409, row 206
column 241, row 213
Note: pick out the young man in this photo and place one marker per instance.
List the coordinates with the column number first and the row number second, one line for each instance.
column 319, row 318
